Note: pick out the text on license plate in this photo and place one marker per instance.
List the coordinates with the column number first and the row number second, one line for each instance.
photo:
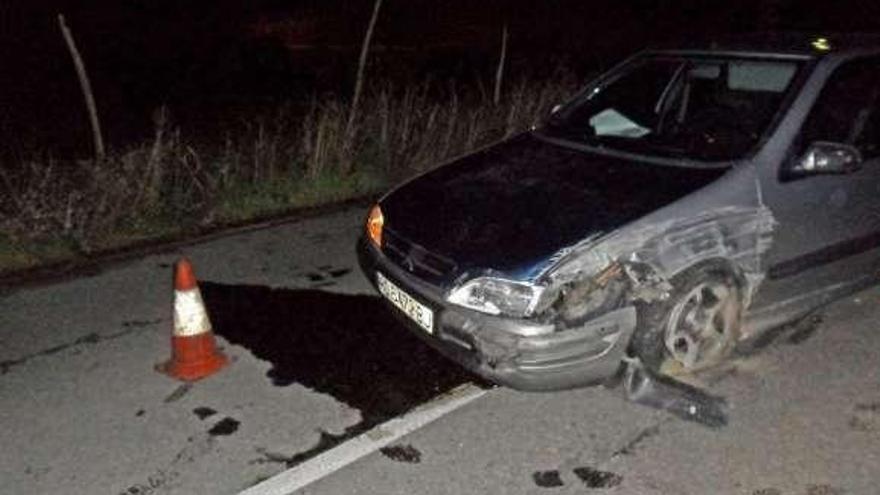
column 419, row 313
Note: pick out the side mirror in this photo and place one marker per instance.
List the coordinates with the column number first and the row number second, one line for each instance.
column 823, row 157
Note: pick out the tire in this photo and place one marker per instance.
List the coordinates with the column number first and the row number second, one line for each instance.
column 696, row 327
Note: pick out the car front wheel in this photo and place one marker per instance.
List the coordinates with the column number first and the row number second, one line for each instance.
column 695, row 327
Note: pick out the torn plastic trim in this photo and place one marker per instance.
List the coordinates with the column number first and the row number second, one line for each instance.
column 586, row 298
column 690, row 403
column 653, row 254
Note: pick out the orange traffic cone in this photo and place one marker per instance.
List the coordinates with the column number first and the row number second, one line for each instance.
column 194, row 354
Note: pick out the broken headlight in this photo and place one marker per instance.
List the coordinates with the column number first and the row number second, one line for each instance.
column 498, row 296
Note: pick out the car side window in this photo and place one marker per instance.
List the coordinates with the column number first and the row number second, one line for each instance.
column 848, row 109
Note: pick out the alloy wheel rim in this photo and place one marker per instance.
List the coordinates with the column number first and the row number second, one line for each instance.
column 701, row 325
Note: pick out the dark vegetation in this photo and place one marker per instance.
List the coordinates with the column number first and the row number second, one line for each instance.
column 219, row 112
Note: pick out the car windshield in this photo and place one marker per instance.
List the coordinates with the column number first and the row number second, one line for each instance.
column 700, row 108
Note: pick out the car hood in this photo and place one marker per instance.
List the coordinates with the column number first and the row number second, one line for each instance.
column 510, row 207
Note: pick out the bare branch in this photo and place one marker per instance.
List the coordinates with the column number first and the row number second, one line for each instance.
column 359, row 81
column 499, row 73
column 86, row 88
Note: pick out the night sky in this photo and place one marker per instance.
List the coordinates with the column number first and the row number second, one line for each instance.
column 199, row 55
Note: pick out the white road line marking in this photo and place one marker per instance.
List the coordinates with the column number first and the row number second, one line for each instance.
column 297, row 477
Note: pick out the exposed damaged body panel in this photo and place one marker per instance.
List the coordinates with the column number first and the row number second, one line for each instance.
column 652, row 255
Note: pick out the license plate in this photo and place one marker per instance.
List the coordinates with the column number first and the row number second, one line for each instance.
column 417, row 311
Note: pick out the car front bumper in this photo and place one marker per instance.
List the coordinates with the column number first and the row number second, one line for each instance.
column 512, row 352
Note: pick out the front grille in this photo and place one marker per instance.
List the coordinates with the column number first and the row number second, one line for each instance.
column 416, row 259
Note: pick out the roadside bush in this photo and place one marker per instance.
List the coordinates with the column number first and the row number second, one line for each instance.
column 296, row 156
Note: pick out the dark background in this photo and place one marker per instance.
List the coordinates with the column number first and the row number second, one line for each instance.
column 227, row 59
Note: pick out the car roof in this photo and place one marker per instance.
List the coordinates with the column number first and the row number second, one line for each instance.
column 805, row 45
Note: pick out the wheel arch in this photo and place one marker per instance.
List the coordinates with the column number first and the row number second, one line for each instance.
column 720, row 265
column 647, row 340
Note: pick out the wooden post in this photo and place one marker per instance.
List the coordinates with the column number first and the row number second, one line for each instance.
column 86, row 88
column 359, row 82
column 499, row 73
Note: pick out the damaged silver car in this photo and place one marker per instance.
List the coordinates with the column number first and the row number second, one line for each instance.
column 681, row 204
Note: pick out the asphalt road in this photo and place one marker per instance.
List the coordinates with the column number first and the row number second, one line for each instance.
column 318, row 362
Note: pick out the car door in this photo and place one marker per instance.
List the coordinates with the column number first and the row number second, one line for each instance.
column 828, row 224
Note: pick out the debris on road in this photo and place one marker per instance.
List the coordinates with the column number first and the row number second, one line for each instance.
column 226, row 426
column 547, row 479
column 204, row 412
column 647, row 388
column 631, row 446
column 594, row 478
column 402, row 453
column 178, row 393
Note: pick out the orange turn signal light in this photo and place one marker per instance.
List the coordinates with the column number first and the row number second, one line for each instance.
column 375, row 222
